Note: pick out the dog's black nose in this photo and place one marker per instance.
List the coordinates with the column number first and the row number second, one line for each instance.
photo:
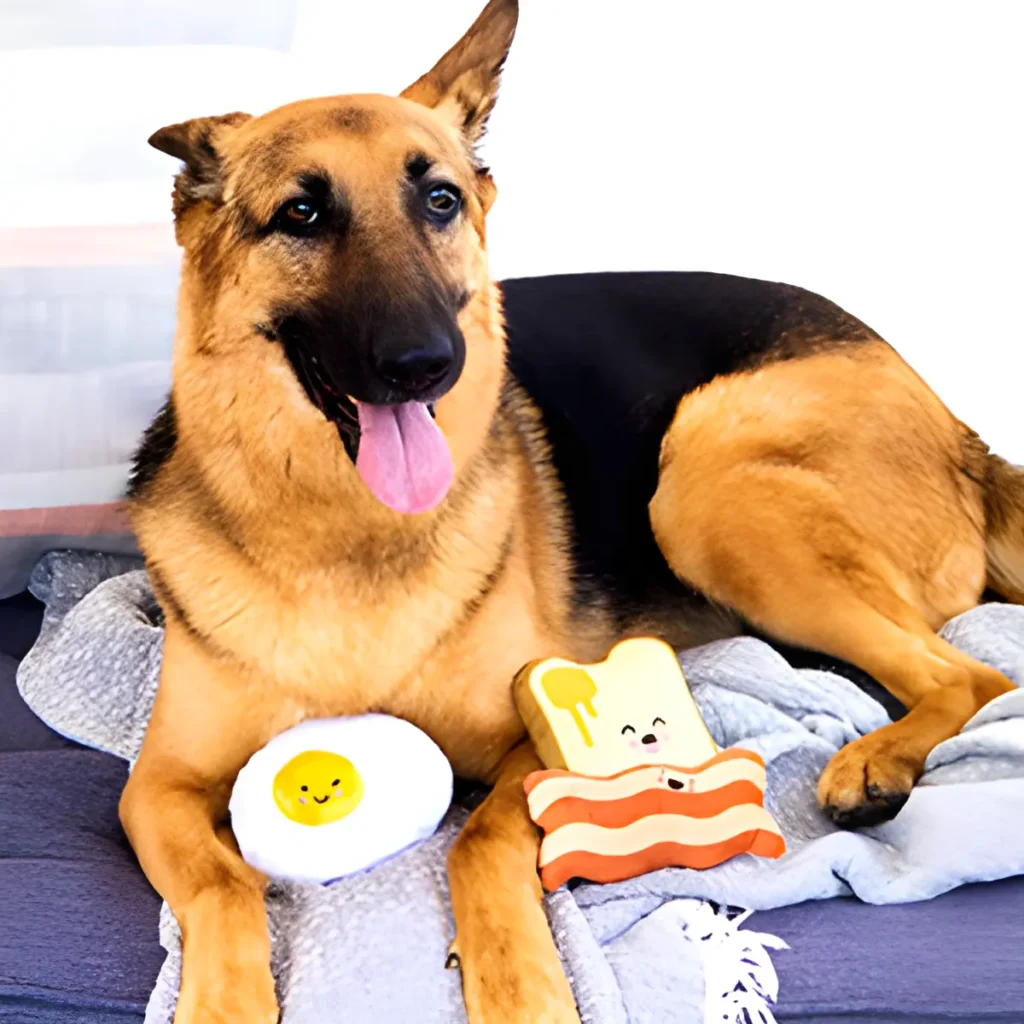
column 649, row 738
column 415, row 369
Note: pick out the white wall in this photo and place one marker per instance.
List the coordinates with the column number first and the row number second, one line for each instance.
column 870, row 151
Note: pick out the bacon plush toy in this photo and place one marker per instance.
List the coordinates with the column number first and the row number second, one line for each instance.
column 633, row 779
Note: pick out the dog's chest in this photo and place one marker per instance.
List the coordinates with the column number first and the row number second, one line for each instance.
column 427, row 654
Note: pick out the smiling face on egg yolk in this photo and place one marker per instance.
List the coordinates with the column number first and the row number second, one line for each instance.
column 317, row 787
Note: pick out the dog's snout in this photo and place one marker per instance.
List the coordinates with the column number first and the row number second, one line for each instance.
column 649, row 738
column 418, row 367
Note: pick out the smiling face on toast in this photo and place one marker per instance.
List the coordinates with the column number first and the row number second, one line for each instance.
column 649, row 739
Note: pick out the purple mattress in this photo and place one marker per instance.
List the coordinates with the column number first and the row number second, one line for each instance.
column 78, row 921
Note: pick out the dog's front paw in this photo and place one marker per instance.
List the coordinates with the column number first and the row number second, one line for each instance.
column 229, row 998
column 509, row 978
column 225, row 972
column 867, row 782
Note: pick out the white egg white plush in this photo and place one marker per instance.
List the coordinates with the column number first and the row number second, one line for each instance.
column 334, row 796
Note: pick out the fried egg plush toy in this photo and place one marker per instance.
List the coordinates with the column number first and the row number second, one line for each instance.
column 334, row 796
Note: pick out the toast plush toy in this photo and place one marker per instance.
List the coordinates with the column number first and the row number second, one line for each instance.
column 633, row 781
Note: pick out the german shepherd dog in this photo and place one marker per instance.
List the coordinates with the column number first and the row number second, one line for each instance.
column 350, row 504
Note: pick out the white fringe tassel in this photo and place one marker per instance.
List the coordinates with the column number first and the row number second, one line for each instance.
column 740, row 983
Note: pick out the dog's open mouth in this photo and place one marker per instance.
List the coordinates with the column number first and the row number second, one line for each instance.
column 399, row 451
column 336, row 406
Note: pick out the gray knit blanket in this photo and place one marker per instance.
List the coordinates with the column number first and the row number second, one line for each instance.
column 647, row 950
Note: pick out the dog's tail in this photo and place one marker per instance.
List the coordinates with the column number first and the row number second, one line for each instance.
column 1004, row 517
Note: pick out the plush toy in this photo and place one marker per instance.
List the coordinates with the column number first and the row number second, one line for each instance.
column 333, row 796
column 634, row 781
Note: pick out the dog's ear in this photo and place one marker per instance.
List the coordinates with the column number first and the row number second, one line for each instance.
column 463, row 84
column 195, row 144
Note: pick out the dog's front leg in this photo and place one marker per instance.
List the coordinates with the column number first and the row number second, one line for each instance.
column 216, row 897
column 511, row 972
column 174, row 810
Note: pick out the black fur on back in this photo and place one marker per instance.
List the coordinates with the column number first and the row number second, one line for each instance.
column 607, row 358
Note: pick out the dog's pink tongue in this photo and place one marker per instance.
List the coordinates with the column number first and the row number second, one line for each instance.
column 403, row 456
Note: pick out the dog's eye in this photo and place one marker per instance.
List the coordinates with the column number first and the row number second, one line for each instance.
column 299, row 217
column 443, row 202
column 628, row 728
column 305, row 789
column 657, row 721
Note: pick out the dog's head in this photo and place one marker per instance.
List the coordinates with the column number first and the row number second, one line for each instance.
column 335, row 248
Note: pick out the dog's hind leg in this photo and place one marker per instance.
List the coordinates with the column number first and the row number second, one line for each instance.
column 828, row 527
column 174, row 809
column 511, row 972
column 839, row 601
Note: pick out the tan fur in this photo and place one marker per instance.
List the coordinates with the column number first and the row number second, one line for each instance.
column 281, row 575
column 290, row 592
column 830, row 500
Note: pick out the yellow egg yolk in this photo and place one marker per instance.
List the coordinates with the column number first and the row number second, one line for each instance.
column 317, row 787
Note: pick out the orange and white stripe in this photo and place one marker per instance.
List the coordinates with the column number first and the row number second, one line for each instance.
column 650, row 817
